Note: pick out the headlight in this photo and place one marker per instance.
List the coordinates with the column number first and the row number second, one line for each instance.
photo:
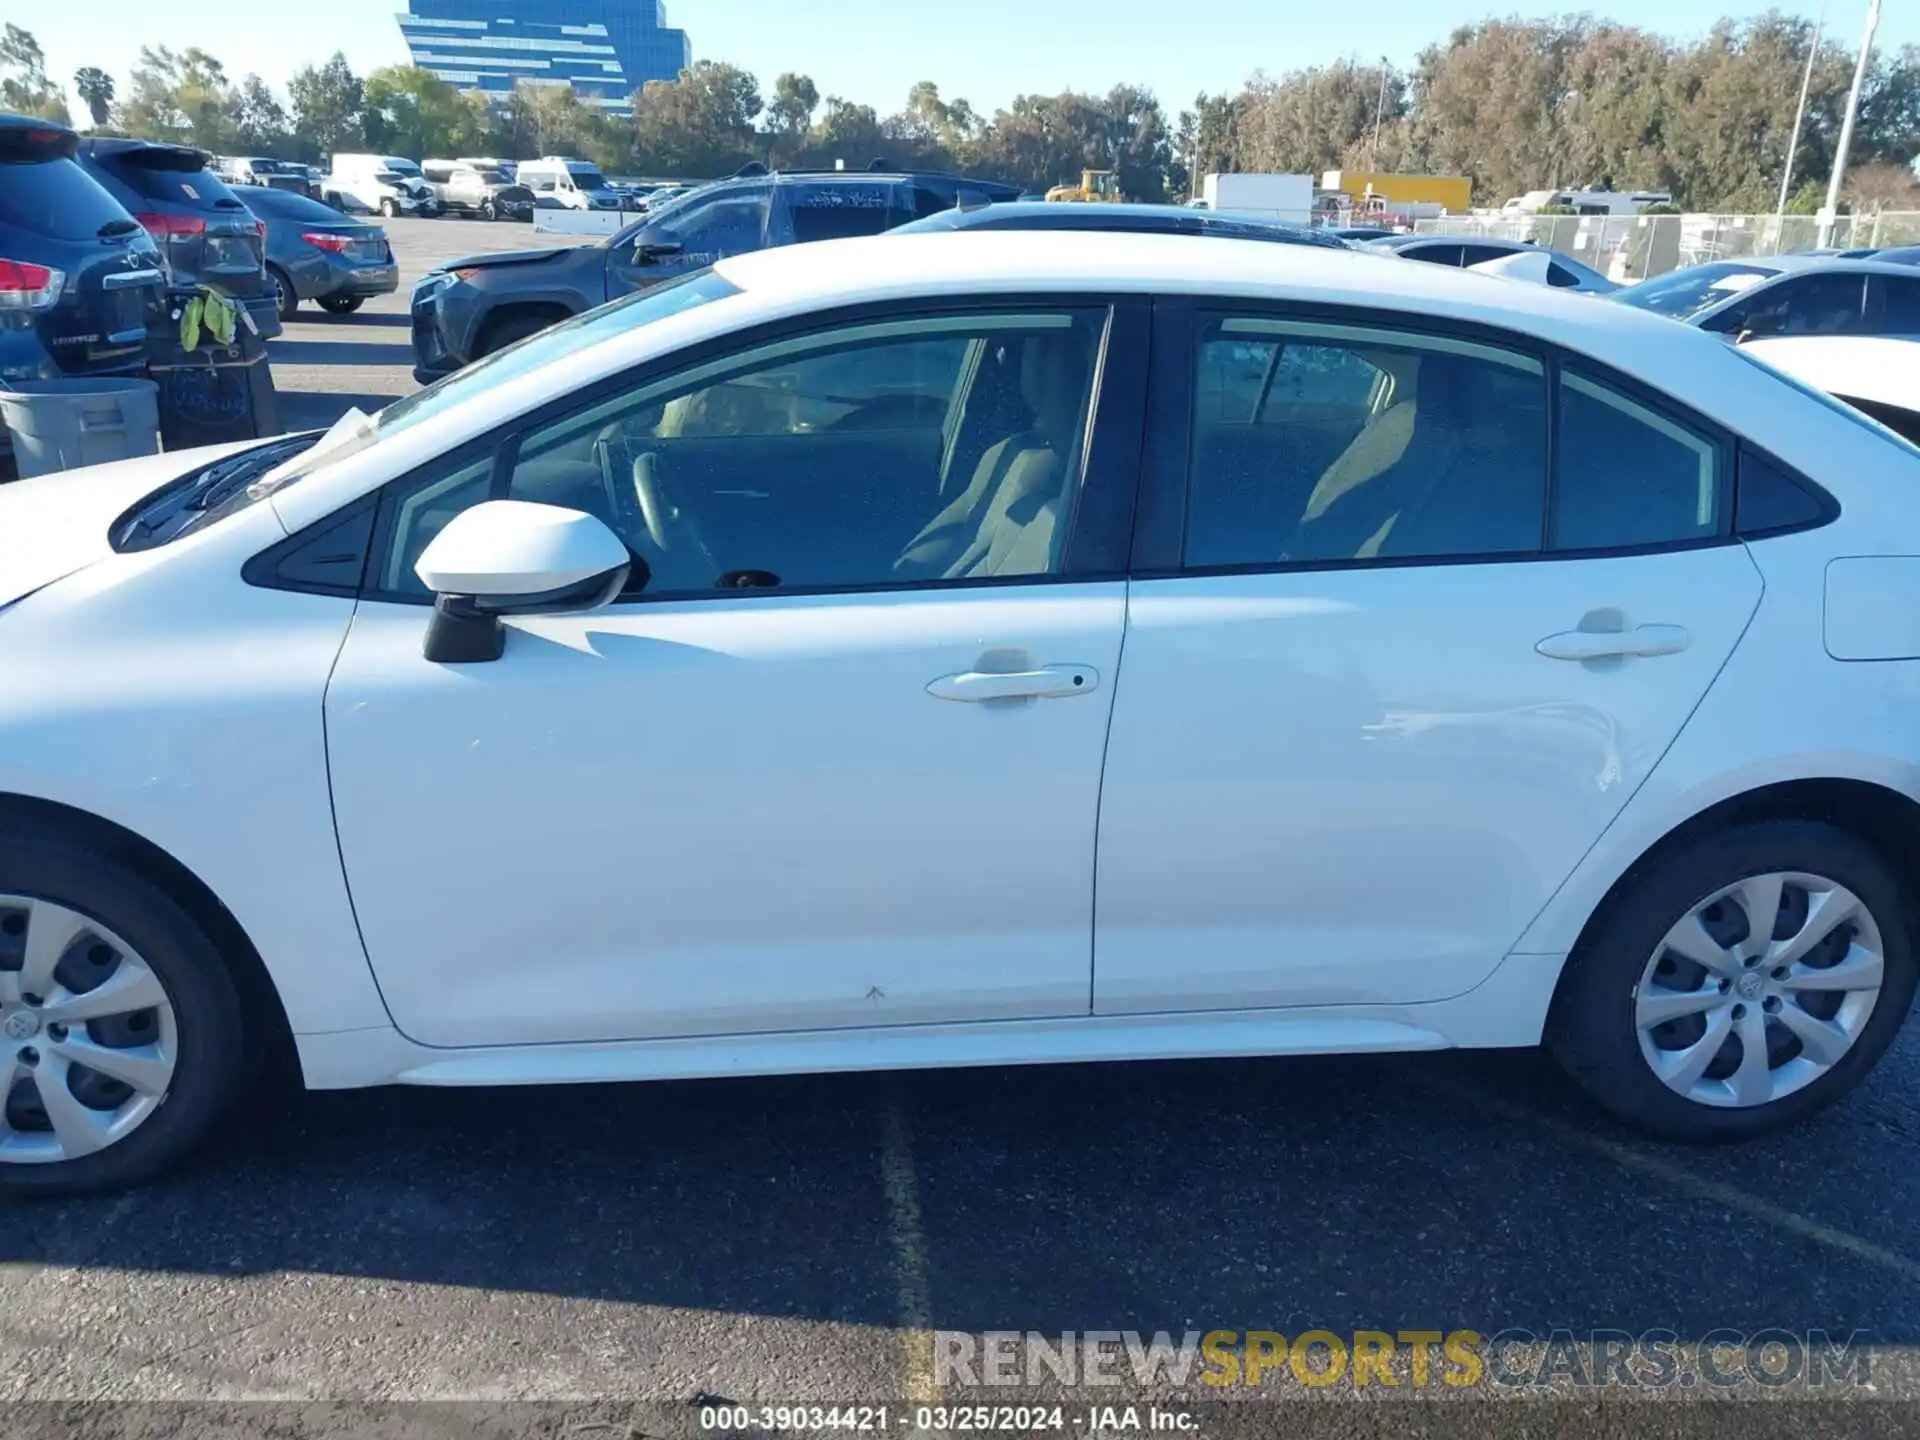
column 431, row 285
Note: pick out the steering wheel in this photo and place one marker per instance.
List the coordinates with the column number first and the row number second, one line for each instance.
column 685, row 562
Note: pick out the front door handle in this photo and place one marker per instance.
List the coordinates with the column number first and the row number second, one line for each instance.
column 1642, row 641
column 1049, row 682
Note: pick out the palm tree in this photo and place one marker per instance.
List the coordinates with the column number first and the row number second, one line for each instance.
column 95, row 88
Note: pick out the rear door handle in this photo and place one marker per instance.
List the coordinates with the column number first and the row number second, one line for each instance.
column 1049, row 682
column 1643, row 641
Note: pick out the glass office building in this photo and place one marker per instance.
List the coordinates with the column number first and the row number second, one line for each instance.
column 604, row 49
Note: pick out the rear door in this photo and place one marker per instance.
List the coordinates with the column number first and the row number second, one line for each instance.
column 1377, row 703
column 208, row 235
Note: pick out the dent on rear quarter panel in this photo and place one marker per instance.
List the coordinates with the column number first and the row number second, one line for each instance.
column 1872, row 609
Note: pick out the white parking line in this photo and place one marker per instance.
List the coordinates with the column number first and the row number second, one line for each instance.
column 1717, row 1192
column 909, row 1244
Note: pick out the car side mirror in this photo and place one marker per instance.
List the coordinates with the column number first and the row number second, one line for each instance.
column 514, row 557
column 647, row 253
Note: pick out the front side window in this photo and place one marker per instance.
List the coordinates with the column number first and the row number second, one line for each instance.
column 731, row 223
column 1323, row 443
column 925, row 450
column 1683, row 293
column 1630, row 476
column 1894, row 304
column 1805, row 305
column 840, row 211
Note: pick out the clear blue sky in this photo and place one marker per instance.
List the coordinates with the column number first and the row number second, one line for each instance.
column 873, row 50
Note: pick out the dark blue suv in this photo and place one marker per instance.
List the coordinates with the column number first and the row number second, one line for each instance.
column 81, row 282
column 474, row 306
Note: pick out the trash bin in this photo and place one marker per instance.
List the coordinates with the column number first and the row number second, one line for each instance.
column 64, row 424
column 213, row 393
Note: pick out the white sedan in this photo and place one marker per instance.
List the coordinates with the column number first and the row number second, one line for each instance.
column 974, row 649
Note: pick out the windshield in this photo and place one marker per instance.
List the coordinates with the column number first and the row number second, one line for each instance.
column 586, row 179
column 356, row 432
column 1685, row 293
column 404, row 167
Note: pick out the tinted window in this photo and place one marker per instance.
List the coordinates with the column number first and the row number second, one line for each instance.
column 1829, row 304
column 1894, row 304
column 1325, row 443
column 1560, row 277
column 1904, row 423
column 1629, row 475
column 169, row 177
column 56, row 198
column 1688, row 292
column 732, row 223
column 925, row 450
column 1770, row 499
column 1479, row 254
column 837, row 212
column 1434, row 254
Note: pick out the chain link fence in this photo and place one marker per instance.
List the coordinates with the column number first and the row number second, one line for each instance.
column 1633, row 247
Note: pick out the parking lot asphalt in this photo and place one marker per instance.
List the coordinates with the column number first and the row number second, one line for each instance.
column 796, row 1240
column 324, row 364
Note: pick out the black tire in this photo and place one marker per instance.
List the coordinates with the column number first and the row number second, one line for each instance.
column 503, row 333
column 341, row 304
column 288, row 302
column 211, row 1068
column 1590, row 1029
column 389, row 209
column 489, row 211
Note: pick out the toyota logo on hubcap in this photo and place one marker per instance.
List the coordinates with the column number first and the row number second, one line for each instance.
column 1750, row 985
column 22, row 1026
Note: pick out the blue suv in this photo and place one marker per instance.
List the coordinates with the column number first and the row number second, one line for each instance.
column 81, row 282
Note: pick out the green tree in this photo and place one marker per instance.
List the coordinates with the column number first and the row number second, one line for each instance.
column 700, row 124
column 411, row 111
column 24, row 86
column 94, row 86
column 179, row 95
column 789, row 116
column 328, row 103
column 847, row 132
column 260, row 122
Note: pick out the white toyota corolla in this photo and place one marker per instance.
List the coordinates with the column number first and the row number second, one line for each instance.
column 966, row 649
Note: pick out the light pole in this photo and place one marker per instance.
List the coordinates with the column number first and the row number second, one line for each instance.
column 1832, row 209
column 1379, row 117
column 1800, row 113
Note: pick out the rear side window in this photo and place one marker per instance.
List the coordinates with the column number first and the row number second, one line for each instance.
column 843, row 211
column 1630, row 476
column 58, row 199
column 169, row 177
column 1324, row 443
column 1434, row 254
column 1560, row 277
column 1894, row 303
column 1480, row 254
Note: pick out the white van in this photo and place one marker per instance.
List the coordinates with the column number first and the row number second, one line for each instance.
column 389, row 184
column 560, row 183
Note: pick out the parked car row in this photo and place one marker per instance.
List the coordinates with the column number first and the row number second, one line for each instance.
column 94, row 232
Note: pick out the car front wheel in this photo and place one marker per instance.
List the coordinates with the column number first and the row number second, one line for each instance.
column 1740, row 983
column 122, row 1040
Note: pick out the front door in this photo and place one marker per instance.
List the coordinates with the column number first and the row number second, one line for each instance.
column 1385, row 705
column 836, row 763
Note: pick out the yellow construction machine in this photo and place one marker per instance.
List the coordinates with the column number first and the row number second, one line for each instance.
column 1094, row 185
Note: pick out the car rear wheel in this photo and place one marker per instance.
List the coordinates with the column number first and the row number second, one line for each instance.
column 122, row 1039
column 341, row 304
column 389, row 209
column 1741, row 983
column 286, row 298
column 489, row 211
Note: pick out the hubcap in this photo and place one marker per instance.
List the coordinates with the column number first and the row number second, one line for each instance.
column 87, row 1035
column 1759, row 989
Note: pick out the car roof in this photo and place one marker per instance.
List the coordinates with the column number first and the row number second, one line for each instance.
column 1497, row 242
column 1131, row 219
column 801, row 278
column 111, row 146
column 1798, row 261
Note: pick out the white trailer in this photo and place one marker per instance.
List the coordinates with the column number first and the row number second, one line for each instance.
column 1271, row 197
